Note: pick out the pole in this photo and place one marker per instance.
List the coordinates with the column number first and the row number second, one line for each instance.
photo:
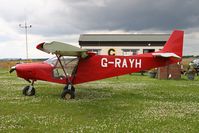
column 26, row 34
column 26, row 41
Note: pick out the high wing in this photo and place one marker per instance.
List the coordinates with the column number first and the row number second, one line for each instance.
column 62, row 49
column 166, row 55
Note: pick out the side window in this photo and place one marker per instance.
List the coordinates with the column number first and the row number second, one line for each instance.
column 128, row 52
column 148, row 50
column 58, row 72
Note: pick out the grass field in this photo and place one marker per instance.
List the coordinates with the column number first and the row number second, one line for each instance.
column 131, row 103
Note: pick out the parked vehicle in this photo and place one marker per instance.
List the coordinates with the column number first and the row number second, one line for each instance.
column 195, row 65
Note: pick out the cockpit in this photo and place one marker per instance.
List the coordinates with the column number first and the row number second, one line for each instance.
column 65, row 68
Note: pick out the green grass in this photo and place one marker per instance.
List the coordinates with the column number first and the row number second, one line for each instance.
column 131, row 103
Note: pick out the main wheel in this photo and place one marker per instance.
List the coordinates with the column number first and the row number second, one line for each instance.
column 29, row 91
column 68, row 93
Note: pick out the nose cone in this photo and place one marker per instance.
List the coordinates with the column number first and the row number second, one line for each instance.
column 25, row 71
column 34, row 71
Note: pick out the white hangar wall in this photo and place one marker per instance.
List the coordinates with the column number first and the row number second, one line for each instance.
column 122, row 44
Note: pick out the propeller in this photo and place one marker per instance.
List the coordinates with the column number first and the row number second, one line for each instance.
column 13, row 68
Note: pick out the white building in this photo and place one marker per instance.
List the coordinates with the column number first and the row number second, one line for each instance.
column 122, row 44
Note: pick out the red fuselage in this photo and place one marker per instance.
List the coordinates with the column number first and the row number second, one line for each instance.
column 94, row 68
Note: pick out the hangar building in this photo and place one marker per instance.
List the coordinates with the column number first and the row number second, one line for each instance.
column 122, row 44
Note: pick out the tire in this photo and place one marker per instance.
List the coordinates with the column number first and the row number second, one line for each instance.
column 28, row 92
column 68, row 94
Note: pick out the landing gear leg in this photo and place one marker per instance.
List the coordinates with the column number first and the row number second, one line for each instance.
column 68, row 92
column 29, row 90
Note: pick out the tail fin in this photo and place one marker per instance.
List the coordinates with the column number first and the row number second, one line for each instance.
column 174, row 43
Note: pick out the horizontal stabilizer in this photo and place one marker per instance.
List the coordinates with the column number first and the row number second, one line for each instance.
column 166, row 55
column 62, row 49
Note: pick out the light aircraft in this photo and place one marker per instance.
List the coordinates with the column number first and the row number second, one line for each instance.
column 87, row 66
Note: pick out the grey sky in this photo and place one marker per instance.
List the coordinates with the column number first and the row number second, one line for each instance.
column 64, row 20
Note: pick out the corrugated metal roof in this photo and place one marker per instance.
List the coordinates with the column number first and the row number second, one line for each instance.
column 124, row 37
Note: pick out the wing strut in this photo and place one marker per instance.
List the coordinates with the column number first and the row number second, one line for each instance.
column 69, row 89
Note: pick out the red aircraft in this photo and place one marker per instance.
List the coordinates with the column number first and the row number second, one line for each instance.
column 84, row 66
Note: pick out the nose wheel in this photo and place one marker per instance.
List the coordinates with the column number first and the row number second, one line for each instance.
column 68, row 92
column 29, row 90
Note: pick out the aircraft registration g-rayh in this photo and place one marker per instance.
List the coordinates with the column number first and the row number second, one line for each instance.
column 87, row 66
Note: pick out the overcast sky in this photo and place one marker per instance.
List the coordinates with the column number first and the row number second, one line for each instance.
column 65, row 20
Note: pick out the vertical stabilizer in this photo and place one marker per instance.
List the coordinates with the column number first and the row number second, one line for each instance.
column 174, row 43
